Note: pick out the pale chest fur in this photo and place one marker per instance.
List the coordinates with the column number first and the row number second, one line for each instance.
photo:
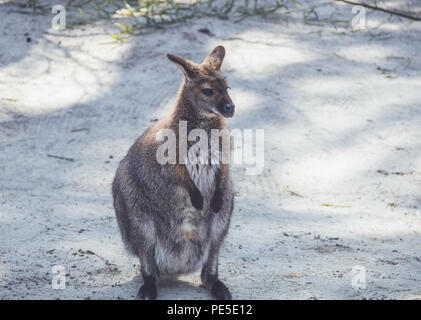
column 203, row 174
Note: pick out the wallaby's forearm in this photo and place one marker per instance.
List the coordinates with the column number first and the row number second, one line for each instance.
column 186, row 181
column 221, row 177
column 195, row 197
column 216, row 201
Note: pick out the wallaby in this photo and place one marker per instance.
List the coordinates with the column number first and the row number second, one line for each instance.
column 174, row 217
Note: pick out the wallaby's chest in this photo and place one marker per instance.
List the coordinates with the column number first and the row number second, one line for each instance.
column 203, row 176
column 202, row 168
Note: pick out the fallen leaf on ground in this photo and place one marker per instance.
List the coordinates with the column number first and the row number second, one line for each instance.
column 295, row 194
column 334, row 205
column 294, row 275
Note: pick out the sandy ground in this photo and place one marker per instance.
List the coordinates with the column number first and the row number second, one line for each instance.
column 341, row 112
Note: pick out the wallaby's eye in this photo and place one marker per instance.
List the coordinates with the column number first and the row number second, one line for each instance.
column 207, row 92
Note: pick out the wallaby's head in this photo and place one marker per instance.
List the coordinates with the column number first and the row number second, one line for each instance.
column 205, row 85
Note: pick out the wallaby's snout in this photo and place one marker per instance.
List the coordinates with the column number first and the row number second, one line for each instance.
column 206, row 86
column 227, row 109
column 224, row 106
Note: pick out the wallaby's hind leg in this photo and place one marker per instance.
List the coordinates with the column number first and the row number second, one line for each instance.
column 149, row 274
column 210, row 276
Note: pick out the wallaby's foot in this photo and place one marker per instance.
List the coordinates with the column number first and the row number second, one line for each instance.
column 217, row 288
column 148, row 291
column 220, row 291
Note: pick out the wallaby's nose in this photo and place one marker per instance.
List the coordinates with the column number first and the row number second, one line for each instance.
column 229, row 107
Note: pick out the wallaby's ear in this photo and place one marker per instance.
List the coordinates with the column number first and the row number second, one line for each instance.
column 188, row 68
column 215, row 58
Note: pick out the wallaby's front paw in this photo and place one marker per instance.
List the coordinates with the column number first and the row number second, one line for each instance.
column 196, row 199
column 147, row 291
column 216, row 202
column 220, row 291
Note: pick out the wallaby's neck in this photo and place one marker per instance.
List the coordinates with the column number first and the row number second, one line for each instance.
column 185, row 111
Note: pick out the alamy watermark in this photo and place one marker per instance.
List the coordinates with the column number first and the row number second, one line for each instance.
column 59, row 20
column 359, row 279
column 198, row 148
column 359, row 22
column 58, row 282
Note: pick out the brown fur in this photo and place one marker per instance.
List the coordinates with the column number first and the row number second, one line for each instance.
column 171, row 225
